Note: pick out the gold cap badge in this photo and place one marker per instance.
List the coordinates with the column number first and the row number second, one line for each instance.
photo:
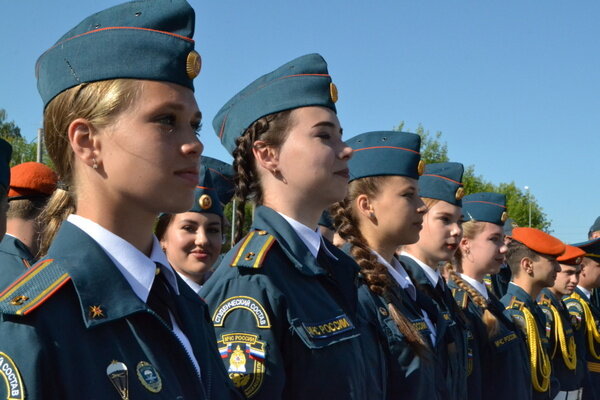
column 193, row 64
column 421, row 167
column 333, row 92
column 460, row 193
column 205, row 202
column 504, row 216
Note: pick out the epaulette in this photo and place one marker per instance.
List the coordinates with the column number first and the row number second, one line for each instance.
column 515, row 304
column 253, row 250
column 544, row 300
column 461, row 297
column 33, row 288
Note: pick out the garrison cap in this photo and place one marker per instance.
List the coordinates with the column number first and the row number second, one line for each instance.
column 5, row 154
column 221, row 175
column 509, row 225
column 538, row 241
column 31, row 179
column 485, row 207
column 591, row 248
column 326, row 220
column 443, row 181
column 144, row 39
column 595, row 226
column 571, row 256
column 206, row 199
column 384, row 153
column 302, row 82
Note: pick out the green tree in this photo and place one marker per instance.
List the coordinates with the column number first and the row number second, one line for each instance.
column 8, row 129
column 434, row 150
column 23, row 150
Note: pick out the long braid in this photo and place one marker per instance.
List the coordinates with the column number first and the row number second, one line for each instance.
column 489, row 319
column 376, row 275
column 272, row 129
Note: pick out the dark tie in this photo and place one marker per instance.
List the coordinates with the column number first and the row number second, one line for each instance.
column 161, row 300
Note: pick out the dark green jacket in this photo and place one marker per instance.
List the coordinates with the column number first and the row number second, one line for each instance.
column 74, row 313
column 15, row 259
column 499, row 364
column 287, row 327
column 451, row 346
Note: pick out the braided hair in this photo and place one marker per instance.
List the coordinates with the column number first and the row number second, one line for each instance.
column 375, row 274
column 470, row 230
column 272, row 129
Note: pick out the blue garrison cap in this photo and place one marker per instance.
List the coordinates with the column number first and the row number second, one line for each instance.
column 144, row 39
column 485, row 207
column 5, row 154
column 302, row 82
column 206, row 199
column 591, row 248
column 508, row 226
column 595, row 226
column 326, row 220
column 443, row 181
column 221, row 174
column 385, row 153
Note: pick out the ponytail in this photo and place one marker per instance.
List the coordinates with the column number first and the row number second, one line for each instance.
column 60, row 205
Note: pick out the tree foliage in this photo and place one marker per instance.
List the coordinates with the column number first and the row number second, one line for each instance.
column 23, row 150
column 434, row 150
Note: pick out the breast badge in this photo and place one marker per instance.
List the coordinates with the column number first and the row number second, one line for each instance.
column 13, row 386
column 149, row 377
column 246, row 356
column 119, row 376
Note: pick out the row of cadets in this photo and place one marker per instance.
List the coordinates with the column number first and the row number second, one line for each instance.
column 192, row 240
column 31, row 185
column 102, row 315
column 284, row 300
column 532, row 257
column 442, row 191
column 499, row 353
column 382, row 211
column 594, row 233
column 586, row 315
column 568, row 367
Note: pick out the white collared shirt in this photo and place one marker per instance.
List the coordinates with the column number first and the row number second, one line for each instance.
column 312, row 239
column 401, row 276
column 137, row 269
column 433, row 275
column 192, row 284
column 588, row 293
column 479, row 286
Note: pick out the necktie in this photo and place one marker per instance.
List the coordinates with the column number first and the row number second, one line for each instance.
column 161, row 300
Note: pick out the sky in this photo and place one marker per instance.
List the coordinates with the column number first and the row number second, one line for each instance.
column 514, row 85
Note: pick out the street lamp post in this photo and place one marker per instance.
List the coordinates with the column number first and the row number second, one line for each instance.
column 529, row 203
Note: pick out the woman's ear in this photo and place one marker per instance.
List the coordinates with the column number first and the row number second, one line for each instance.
column 267, row 157
column 365, row 206
column 84, row 142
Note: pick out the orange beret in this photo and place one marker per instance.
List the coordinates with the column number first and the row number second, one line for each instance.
column 31, row 179
column 571, row 256
column 538, row 241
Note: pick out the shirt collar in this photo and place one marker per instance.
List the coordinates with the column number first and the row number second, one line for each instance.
column 137, row 268
column 399, row 274
column 588, row 293
column 432, row 274
column 312, row 239
column 479, row 286
column 195, row 287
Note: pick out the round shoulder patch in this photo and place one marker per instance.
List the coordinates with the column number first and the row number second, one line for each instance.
column 13, row 385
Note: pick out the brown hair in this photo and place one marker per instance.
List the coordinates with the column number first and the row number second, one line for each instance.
column 375, row 274
column 272, row 129
column 99, row 103
column 470, row 230
column 515, row 253
column 26, row 208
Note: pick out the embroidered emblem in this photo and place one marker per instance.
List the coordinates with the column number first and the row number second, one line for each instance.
column 149, row 377
column 420, row 325
column 96, row 312
column 205, row 202
column 508, row 338
column 11, row 378
column 246, row 356
column 329, row 328
column 245, row 303
column 193, row 64
column 519, row 321
column 333, row 92
column 118, row 375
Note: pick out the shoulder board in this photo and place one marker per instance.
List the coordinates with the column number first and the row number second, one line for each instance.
column 461, row 297
column 515, row 304
column 33, row 288
column 544, row 300
column 253, row 250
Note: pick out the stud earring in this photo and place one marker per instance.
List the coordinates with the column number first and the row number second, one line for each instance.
column 95, row 164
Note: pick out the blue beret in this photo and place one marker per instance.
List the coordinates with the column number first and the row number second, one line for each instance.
column 5, row 154
column 221, row 174
column 485, row 207
column 443, row 181
column 326, row 220
column 206, row 199
column 595, row 226
column 145, row 39
column 591, row 248
column 385, row 153
column 302, row 82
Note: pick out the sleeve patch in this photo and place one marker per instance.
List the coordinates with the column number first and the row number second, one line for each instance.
column 13, row 385
column 244, row 358
column 242, row 302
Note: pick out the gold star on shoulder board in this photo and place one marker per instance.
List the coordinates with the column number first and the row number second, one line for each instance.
column 96, row 312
